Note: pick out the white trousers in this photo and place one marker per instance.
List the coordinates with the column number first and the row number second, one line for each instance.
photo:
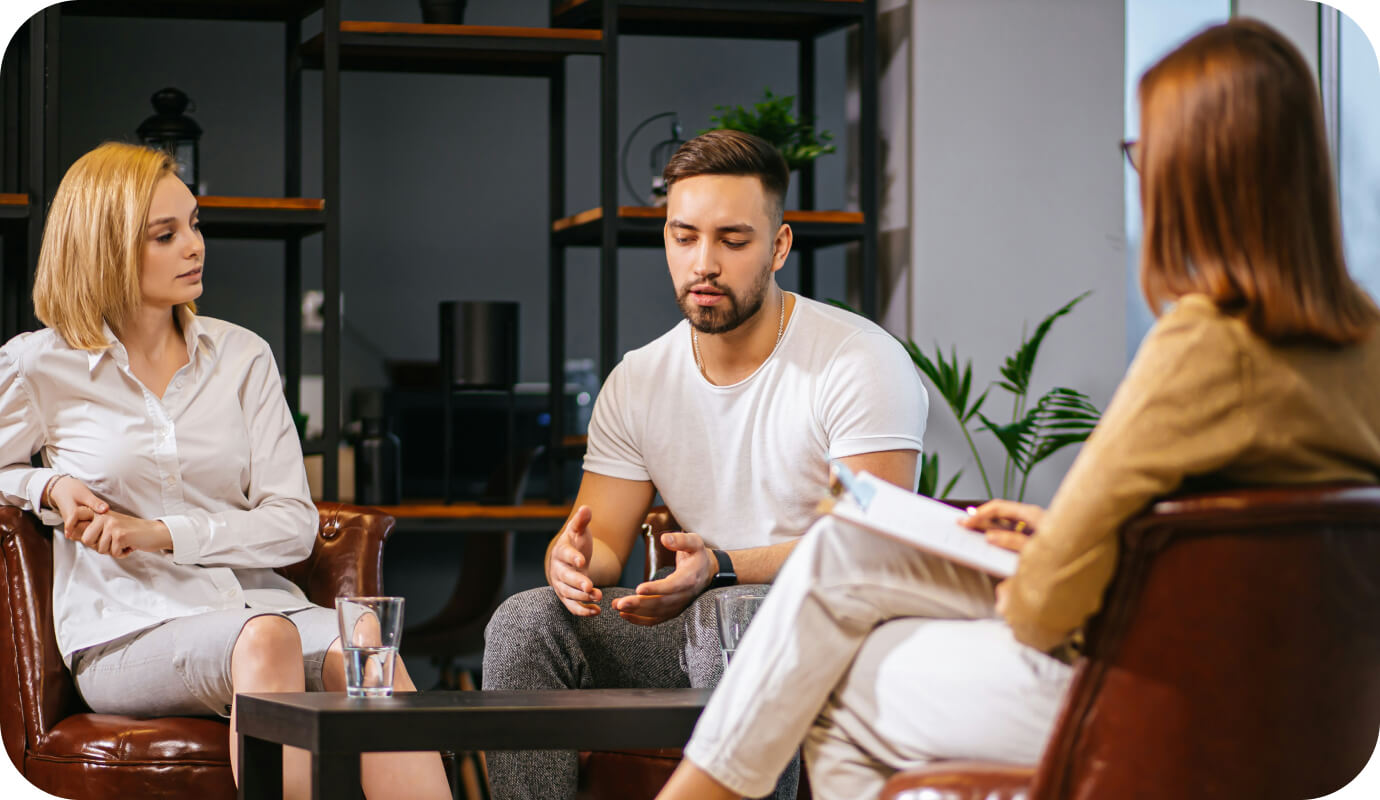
column 879, row 658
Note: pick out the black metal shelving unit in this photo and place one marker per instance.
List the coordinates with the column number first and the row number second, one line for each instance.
column 21, row 219
column 287, row 219
column 461, row 50
column 610, row 226
column 578, row 27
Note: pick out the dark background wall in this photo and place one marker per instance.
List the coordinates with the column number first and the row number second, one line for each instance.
column 444, row 177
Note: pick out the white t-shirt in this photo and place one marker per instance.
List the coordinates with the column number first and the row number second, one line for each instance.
column 745, row 465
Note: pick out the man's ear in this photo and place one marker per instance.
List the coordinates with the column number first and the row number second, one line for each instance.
column 781, row 246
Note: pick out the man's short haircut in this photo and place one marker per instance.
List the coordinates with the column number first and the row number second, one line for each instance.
column 725, row 152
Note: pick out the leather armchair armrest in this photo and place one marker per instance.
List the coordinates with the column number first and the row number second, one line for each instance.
column 347, row 558
column 658, row 521
column 961, row 780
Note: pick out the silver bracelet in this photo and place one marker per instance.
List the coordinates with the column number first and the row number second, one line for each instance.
column 46, row 499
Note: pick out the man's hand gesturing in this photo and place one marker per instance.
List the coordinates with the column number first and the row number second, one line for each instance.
column 657, row 601
column 568, row 568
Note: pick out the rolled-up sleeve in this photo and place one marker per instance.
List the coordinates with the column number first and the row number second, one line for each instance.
column 279, row 526
column 1178, row 413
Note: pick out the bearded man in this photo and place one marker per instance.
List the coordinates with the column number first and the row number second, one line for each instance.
column 733, row 417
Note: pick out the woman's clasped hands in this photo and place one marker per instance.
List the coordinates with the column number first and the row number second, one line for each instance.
column 88, row 519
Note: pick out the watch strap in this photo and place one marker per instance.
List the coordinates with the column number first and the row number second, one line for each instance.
column 725, row 576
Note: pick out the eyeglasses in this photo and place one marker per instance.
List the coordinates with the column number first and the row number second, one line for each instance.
column 1131, row 148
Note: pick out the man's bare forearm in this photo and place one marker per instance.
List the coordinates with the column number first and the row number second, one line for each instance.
column 760, row 564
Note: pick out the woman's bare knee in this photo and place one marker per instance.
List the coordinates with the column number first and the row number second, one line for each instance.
column 268, row 646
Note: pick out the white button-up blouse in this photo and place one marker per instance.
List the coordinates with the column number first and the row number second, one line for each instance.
column 216, row 459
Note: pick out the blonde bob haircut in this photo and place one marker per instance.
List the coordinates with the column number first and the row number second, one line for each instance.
column 93, row 241
column 1237, row 189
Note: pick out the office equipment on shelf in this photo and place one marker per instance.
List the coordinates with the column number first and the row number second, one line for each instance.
column 378, row 452
column 479, row 353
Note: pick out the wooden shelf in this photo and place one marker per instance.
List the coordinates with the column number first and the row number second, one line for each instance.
column 641, row 226
column 455, row 49
column 249, row 10
column 433, row 516
column 729, row 19
column 14, row 207
column 260, row 217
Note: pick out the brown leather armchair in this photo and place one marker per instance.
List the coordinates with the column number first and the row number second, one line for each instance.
column 63, row 748
column 1237, row 655
column 634, row 774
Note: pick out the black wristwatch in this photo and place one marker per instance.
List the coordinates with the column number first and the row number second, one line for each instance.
column 725, row 576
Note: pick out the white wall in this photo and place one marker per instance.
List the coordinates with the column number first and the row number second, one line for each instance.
column 1017, row 199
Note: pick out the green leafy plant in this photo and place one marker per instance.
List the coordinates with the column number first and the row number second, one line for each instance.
column 1059, row 418
column 771, row 119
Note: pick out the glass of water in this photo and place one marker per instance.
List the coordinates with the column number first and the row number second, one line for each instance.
column 735, row 612
column 370, row 631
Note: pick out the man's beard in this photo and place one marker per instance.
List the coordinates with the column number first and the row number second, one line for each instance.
column 728, row 313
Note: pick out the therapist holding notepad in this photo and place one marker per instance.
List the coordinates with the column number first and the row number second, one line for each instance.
column 1263, row 368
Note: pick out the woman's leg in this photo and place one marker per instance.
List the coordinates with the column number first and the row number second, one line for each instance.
column 268, row 658
column 923, row 690
column 839, row 584
column 391, row 775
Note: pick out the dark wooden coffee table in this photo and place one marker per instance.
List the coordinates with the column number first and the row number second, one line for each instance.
column 335, row 729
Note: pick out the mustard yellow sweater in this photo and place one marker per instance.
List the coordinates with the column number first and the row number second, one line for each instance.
column 1204, row 397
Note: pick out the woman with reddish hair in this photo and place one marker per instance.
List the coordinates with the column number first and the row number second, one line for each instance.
column 1263, row 367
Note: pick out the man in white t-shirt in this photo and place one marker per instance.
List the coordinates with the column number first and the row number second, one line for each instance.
column 733, row 416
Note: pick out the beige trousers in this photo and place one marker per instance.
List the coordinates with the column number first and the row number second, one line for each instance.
column 879, row 658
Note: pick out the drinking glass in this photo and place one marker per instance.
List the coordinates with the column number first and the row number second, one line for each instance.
column 370, row 631
column 735, row 612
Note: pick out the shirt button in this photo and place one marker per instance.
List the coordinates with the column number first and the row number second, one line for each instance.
column 178, row 383
column 172, row 481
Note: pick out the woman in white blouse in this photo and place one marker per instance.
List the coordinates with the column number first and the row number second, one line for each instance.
column 172, row 469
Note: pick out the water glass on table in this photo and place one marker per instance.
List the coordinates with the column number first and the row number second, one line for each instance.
column 370, row 632
column 735, row 612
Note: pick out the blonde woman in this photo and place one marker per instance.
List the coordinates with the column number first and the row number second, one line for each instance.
column 1263, row 368
column 171, row 469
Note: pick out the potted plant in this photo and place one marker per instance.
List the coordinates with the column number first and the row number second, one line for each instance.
column 1059, row 418
column 771, row 119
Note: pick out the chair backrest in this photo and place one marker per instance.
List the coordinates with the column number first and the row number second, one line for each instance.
column 1237, row 654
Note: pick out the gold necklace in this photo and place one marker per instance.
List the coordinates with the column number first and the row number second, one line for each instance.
column 780, row 330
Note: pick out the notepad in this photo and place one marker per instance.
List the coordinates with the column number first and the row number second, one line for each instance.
column 929, row 525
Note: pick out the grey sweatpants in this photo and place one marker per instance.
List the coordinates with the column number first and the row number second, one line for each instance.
column 533, row 642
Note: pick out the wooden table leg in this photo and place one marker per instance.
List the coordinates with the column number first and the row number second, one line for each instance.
column 335, row 776
column 261, row 769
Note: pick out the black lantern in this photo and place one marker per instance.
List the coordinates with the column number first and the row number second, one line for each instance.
column 176, row 133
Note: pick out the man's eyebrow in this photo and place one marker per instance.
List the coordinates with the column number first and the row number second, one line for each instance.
column 741, row 227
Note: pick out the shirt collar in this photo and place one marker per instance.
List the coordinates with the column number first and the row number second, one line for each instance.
column 193, row 331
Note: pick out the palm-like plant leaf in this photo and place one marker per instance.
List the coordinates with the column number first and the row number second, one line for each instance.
column 1017, row 438
column 929, row 474
column 929, row 478
column 1062, row 417
column 1018, row 367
